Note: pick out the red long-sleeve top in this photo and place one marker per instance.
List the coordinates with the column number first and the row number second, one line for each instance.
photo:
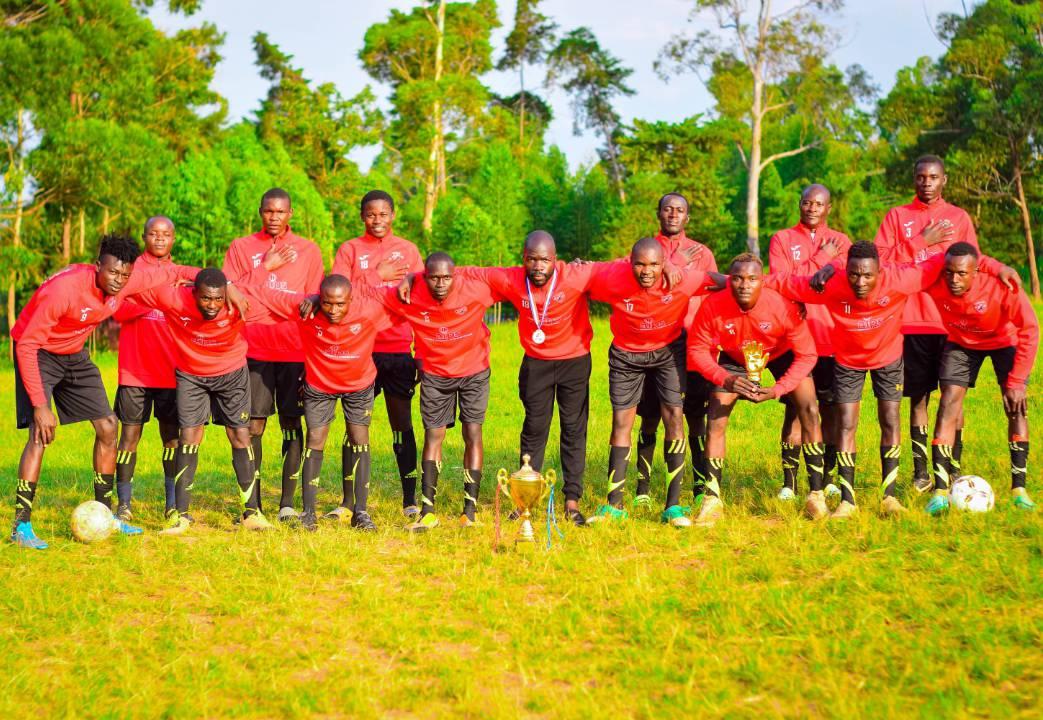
column 146, row 355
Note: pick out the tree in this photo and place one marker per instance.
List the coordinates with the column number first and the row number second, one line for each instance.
column 761, row 74
column 527, row 44
column 594, row 78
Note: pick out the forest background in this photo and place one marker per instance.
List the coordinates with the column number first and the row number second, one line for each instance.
column 105, row 120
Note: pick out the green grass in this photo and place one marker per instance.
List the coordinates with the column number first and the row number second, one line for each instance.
column 765, row 615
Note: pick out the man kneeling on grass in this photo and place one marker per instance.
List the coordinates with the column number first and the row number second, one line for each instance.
column 212, row 380
column 338, row 329
column 747, row 313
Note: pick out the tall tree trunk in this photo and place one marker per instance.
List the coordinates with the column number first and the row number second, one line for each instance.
column 431, row 187
column 521, row 109
column 753, row 177
column 83, row 231
column 67, row 238
column 1026, row 226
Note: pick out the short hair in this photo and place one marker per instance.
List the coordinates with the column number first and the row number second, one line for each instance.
column 929, row 160
column 743, row 258
column 211, row 277
column 646, row 243
column 816, row 186
column 539, row 236
column 373, row 196
column 437, row 257
column 962, row 249
column 670, row 195
column 863, row 250
column 335, row 281
column 121, row 247
column 276, row 193
column 154, row 219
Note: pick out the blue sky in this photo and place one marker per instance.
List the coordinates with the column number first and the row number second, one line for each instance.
column 324, row 37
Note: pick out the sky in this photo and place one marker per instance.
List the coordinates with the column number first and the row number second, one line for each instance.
column 325, row 37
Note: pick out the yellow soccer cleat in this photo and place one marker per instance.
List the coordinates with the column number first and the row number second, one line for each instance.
column 256, row 522
column 425, row 523
column 844, row 511
column 815, row 508
column 891, row 507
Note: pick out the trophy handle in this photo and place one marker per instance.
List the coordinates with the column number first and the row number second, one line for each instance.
column 501, row 480
column 550, row 478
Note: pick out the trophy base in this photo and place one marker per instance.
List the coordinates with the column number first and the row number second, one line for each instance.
column 526, row 540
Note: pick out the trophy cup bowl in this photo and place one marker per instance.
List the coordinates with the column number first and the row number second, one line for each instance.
column 526, row 488
column 756, row 360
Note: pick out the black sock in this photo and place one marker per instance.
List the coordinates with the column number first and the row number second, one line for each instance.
column 404, row 447
column 185, row 475
column 698, row 445
column 846, row 475
column 169, row 471
column 348, row 464
column 472, row 485
column 23, row 501
column 103, row 484
column 645, row 458
column 957, row 452
column 243, row 465
column 1019, row 461
column 814, row 461
column 941, row 460
column 292, row 443
column 362, row 461
column 618, row 459
column 890, row 458
column 673, row 454
column 790, row 465
column 714, row 475
column 126, row 461
column 829, row 469
column 311, row 469
column 428, row 484
column 918, row 440
column 257, row 446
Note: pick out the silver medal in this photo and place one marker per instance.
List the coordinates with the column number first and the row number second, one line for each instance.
column 538, row 336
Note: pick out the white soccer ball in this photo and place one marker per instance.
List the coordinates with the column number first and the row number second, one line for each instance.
column 92, row 522
column 972, row 493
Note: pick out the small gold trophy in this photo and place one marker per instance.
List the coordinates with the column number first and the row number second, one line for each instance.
column 526, row 488
column 756, row 360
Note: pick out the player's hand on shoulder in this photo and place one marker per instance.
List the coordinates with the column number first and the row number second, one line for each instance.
column 308, row 307
column 237, row 300
column 405, row 288
column 821, row 277
column 1010, row 277
column 581, row 261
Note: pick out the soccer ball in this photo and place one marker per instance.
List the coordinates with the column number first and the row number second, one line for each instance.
column 972, row 493
column 92, row 522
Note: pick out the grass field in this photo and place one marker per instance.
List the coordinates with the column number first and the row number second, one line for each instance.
column 764, row 615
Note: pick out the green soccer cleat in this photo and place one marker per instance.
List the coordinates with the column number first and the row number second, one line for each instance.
column 676, row 516
column 425, row 523
column 938, row 504
column 608, row 512
column 177, row 524
column 1022, row 501
column 641, row 501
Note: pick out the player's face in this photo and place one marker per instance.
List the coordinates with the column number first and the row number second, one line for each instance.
column 159, row 238
column 929, row 180
column 334, row 304
column 377, row 216
column 647, row 265
column 112, row 274
column 746, row 281
column 209, row 301
column 539, row 263
column 275, row 216
column 814, row 208
column 861, row 276
column 439, row 279
column 959, row 273
column 673, row 216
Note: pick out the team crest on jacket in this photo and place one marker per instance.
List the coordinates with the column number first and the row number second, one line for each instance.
column 396, row 255
column 668, row 298
column 979, row 307
column 765, row 326
column 461, row 310
column 355, row 328
column 884, row 301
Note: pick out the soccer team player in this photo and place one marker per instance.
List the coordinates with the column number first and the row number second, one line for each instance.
column 920, row 308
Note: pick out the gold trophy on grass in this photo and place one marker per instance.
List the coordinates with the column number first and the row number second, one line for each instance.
column 756, row 360
column 526, row 488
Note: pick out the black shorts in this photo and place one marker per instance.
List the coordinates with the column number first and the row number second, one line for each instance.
column 887, row 383
column 135, row 405
column 696, row 393
column 923, row 362
column 320, row 407
column 396, row 374
column 72, row 381
column 960, row 365
column 822, row 374
column 226, row 398
column 628, row 372
column 440, row 396
column 777, row 366
column 276, row 385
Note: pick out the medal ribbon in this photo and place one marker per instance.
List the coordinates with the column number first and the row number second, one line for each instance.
column 532, row 303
